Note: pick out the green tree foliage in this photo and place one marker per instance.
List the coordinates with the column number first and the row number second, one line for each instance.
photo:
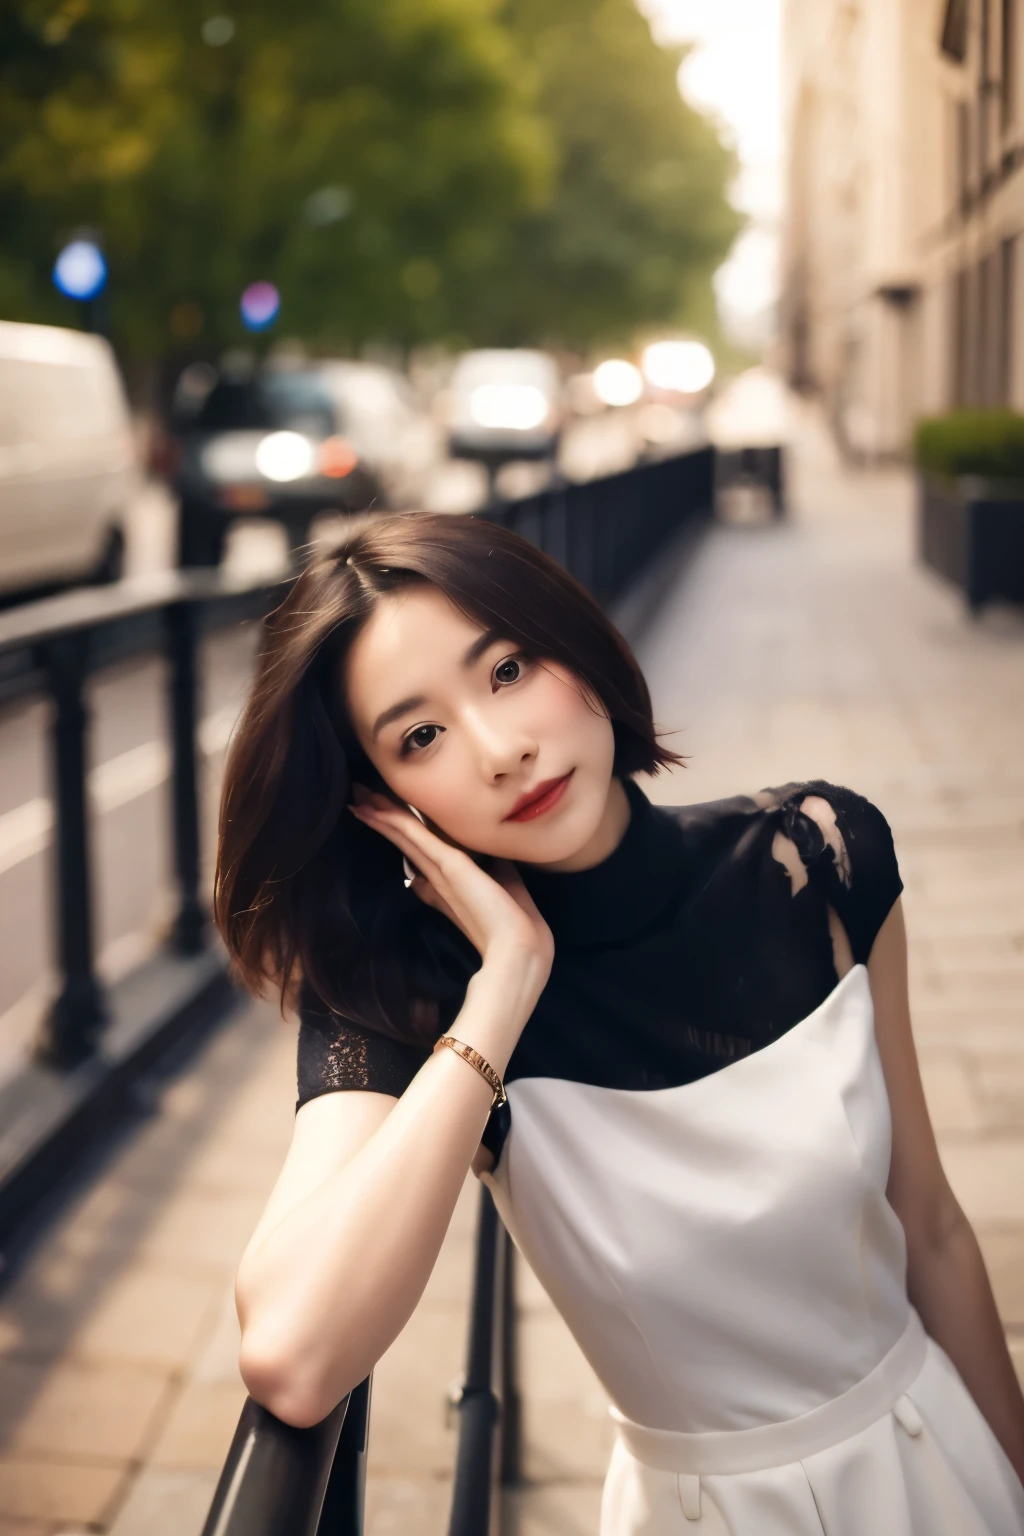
column 473, row 170
column 336, row 147
column 638, row 218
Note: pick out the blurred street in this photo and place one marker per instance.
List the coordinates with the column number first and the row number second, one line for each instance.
column 813, row 648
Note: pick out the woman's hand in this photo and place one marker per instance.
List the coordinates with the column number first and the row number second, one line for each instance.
column 494, row 910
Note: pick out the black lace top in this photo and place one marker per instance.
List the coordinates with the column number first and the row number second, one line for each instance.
column 704, row 936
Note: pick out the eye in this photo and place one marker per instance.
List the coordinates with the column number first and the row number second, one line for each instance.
column 423, row 736
column 508, row 671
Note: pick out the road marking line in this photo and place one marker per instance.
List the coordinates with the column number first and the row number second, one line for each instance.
column 28, row 829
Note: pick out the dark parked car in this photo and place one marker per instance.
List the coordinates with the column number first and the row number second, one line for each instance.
column 271, row 445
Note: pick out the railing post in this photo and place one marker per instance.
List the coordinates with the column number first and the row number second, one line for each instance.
column 79, row 1011
column 345, row 1498
column 188, row 932
column 511, row 1403
column 473, row 1489
column 274, row 1481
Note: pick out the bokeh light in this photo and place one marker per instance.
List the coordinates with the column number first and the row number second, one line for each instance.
column 617, row 382
column 284, row 456
column 80, row 271
column 217, row 30
column 518, row 407
column 260, row 305
column 337, row 458
column 680, row 367
column 326, row 206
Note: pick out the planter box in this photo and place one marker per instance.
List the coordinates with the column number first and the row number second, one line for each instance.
column 972, row 532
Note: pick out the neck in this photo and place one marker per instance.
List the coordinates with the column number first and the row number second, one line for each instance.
column 606, row 837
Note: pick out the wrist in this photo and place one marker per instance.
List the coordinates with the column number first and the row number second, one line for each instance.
column 510, row 980
column 498, row 1004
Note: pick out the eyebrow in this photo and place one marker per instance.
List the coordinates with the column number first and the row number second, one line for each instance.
column 404, row 707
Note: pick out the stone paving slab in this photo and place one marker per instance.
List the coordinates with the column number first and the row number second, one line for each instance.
column 815, row 649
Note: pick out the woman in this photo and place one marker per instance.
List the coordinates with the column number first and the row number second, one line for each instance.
column 715, row 1151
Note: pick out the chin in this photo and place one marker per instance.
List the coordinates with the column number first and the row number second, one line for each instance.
column 552, row 838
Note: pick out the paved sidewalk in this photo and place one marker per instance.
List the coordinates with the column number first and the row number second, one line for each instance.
column 816, row 649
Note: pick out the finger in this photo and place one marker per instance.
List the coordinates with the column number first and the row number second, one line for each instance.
column 508, row 875
column 403, row 824
column 396, row 832
column 410, row 817
column 507, row 872
column 419, row 884
column 422, row 888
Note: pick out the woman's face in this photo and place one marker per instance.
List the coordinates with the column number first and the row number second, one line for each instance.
column 465, row 728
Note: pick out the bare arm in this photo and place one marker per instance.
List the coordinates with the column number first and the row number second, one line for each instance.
column 353, row 1227
column 946, row 1274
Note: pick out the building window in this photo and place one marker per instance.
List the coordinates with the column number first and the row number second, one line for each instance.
column 963, row 153
column 989, row 308
column 984, row 91
column 962, row 392
column 1008, row 65
column 953, row 41
column 1007, row 318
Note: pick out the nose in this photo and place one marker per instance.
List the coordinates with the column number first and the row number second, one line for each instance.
column 500, row 747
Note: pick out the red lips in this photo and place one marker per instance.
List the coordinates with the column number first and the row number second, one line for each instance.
column 534, row 802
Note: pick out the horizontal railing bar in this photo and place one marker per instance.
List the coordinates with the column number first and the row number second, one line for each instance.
column 92, row 608
column 275, row 1479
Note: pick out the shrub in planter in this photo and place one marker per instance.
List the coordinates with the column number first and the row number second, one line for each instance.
column 985, row 443
column 971, row 523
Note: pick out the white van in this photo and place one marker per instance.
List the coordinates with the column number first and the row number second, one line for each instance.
column 505, row 403
column 67, row 458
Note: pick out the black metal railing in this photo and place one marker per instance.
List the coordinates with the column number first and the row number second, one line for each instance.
column 762, row 467
column 277, row 1481
column 280, row 1481
column 95, row 1045
column 603, row 531
column 489, row 1453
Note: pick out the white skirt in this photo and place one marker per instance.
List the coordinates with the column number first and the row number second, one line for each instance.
column 906, row 1452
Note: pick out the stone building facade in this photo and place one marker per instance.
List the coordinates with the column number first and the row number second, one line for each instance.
column 903, row 252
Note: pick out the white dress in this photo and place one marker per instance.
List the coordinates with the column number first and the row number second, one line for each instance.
column 694, row 1160
column 726, row 1257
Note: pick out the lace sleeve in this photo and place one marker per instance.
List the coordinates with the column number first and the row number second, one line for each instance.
column 335, row 1054
column 854, row 859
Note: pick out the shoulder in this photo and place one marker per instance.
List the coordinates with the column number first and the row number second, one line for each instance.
column 843, row 817
column 831, row 821
column 830, row 841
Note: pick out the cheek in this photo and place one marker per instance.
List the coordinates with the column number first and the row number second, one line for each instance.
column 566, row 718
column 440, row 788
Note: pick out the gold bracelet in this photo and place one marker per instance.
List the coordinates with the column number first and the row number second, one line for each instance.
column 481, row 1064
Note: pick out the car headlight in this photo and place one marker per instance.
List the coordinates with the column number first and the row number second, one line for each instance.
column 283, row 456
column 229, row 457
column 515, row 407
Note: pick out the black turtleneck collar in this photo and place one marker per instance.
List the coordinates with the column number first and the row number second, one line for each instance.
column 620, row 897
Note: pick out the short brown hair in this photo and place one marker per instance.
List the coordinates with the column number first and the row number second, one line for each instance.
column 301, row 889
